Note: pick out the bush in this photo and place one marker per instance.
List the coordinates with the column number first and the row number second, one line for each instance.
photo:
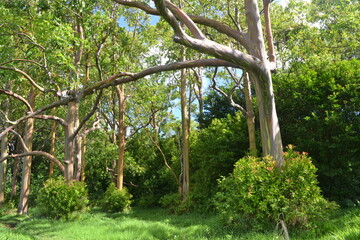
column 57, row 199
column 174, row 203
column 260, row 192
column 116, row 200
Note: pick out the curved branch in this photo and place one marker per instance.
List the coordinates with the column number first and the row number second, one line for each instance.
column 239, row 36
column 25, row 75
column 21, row 140
column 184, row 18
column 51, row 117
column 130, row 77
column 124, row 77
column 10, row 93
column 40, row 110
column 22, row 60
column 35, row 153
column 229, row 97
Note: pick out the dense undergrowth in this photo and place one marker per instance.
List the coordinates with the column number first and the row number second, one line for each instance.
column 158, row 224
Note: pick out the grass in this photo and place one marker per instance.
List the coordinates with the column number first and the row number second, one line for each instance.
column 148, row 224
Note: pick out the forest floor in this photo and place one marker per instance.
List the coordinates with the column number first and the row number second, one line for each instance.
column 147, row 224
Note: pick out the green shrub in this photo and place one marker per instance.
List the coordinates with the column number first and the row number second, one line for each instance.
column 174, row 203
column 260, row 192
column 116, row 200
column 57, row 199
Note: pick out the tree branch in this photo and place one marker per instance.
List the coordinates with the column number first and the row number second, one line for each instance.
column 239, row 36
column 10, row 93
column 51, row 117
column 229, row 97
column 35, row 153
column 26, row 76
column 93, row 110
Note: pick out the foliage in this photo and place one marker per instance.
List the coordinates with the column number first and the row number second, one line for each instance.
column 174, row 204
column 260, row 192
column 318, row 108
column 116, row 200
column 214, row 150
column 57, row 199
column 153, row 180
column 100, row 155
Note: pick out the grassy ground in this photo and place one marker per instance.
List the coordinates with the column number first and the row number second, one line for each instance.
column 147, row 224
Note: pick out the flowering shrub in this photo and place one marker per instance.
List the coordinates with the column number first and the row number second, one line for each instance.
column 259, row 191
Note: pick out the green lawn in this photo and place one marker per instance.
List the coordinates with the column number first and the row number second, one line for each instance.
column 150, row 224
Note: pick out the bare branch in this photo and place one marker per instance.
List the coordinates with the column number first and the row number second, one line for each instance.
column 35, row 153
column 229, row 97
column 239, row 36
column 184, row 18
column 26, row 76
column 10, row 93
column 22, row 60
column 51, row 117
column 21, row 140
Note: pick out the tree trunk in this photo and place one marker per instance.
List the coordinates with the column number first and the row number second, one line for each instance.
column 16, row 170
column 185, row 189
column 77, row 148
column 269, row 124
column 26, row 173
column 250, row 116
column 83, row 161
column 69, row 143
column 4, row 152
column 122, row 131
column 52, row 147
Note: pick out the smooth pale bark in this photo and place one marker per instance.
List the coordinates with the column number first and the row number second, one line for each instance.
column 185, row 172
column 26, row 172
column 83, row 160
column 250, row 116
column 268, row 30
column 69, row 142
column 4, row 152
column 269, row 124
column 77, row 147
column 122, row 131
column 52, row 147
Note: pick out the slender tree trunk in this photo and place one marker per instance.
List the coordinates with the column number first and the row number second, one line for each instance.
column 52, row 147
column 4, row 152
column 268, row 30
column 250, row 116
column 122, row 131
column 16, row 170
column 269, row 124
column 185, row 190
column 83, row 161
column 69, row 143
column 26, row 173
column 77, row 147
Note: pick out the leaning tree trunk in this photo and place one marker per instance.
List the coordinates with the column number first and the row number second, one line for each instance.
column 4, row 142
column 26, row 172
column 185, row 172
column 269, row 124
column 120, row 166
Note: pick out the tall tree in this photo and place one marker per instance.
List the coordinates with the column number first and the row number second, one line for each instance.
column 255, row 62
